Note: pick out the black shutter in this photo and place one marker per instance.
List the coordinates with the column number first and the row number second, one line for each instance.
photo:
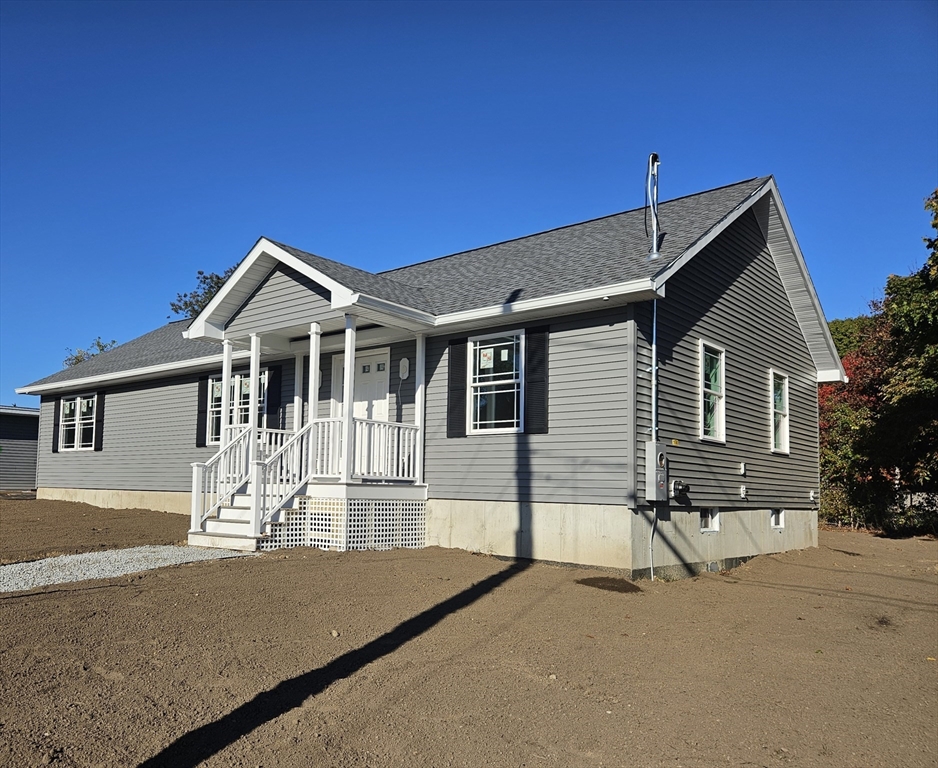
column 535, row 381
column 56, row 423
column 273, row 397
column 201, row 422
column 456, row 401
column 99, row 421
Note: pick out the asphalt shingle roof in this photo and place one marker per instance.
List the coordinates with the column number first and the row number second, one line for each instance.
column 164, row 345
column 361, row 281
column 612, row 249
column 604, row 251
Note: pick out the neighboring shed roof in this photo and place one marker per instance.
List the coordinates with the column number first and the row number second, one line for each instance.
column 18, row 410
column 159, row 347
column 605, row 251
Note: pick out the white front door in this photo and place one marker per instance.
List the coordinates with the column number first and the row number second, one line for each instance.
column 372, row 377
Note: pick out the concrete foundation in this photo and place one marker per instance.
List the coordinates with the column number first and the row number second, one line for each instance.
column 681, row 549
column 584, row 534
column 177, row 502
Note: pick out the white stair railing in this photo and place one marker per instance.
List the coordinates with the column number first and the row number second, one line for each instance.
column 327, row 448
column 215, row 481
column 385, row 450
column 279, row 477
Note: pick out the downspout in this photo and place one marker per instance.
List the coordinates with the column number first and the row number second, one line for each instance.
column 654, row 425
column 651, row 197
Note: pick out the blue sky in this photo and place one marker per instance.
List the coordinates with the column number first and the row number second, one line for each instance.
column 140, row 141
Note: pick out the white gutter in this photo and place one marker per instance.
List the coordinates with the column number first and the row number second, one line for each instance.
column 149, row 371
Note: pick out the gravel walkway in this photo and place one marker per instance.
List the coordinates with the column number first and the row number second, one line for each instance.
column 101, row 565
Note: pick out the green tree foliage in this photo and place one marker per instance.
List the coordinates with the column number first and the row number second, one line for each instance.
column 207, row 285
column 80, row 355
column 879, row 432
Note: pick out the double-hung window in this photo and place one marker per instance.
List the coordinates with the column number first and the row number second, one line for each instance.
column 239, row 399
column 779, row 407
column 712, row 393
column 77, row 423
column 496, row 383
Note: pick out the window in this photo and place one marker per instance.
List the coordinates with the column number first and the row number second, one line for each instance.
column 239, row 398
column 77, row 423
column 712, row 393
column 779, row 412
column 496, row 374
column 709, row 520
column 777, row 517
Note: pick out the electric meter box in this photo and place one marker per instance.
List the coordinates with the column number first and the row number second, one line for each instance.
column 656, row 471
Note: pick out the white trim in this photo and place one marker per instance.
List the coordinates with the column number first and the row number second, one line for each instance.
column 786, row 432
column 645, row 288
column 832, row 375
column 469, row 383
column 420, row 401
column 703, row 344
column 93, row 396
column 151, row 371
column 415, row 319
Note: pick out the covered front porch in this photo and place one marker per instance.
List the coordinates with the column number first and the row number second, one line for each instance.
column 346, row 471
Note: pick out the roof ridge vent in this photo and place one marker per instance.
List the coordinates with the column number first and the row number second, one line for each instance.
column 651, row 201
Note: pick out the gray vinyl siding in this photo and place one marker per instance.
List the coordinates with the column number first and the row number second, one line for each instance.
column 583, row 459
column 284, row 298
column 18, row 446
column 731, row 296
column 149, row 439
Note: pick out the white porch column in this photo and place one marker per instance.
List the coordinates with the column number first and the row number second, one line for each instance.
column 348, row 402
column 255, row 381
column 420, row 401
column 225, row 392
column 315, row 332
column 297, row 392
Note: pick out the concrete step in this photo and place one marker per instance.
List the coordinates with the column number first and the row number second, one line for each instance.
column 230, row 525
column 223, row 541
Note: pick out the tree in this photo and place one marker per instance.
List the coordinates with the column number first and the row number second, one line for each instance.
column 207, row 285
column 80, row 355
column 879, row 432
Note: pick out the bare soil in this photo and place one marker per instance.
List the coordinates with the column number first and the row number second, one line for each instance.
column 427, row 658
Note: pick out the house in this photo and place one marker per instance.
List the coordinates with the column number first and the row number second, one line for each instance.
column 561, row 396
column 19, row 436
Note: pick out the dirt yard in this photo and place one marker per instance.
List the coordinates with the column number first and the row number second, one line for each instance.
column 437, row 658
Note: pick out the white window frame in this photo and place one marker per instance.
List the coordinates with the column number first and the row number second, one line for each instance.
column 784, row 447
column 78, row 422
column 713, row 519
column 472, row 386
column 233, row 405
column 777, row 519
column 703, row 348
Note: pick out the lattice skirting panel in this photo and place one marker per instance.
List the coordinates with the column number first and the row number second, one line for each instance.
column 344, row 524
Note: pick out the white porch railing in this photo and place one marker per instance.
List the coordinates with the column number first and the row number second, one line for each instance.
column 327, row 448
column 218, row 479
column 385, row 450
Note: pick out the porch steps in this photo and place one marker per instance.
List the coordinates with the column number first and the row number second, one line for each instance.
column 223, row 541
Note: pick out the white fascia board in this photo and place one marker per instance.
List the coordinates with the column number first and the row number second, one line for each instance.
column 645, row 288
column 135, row 374
column 832, row 375
column 398, row 314
column 714, row 233
column 809, row 285
column 207, row 326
